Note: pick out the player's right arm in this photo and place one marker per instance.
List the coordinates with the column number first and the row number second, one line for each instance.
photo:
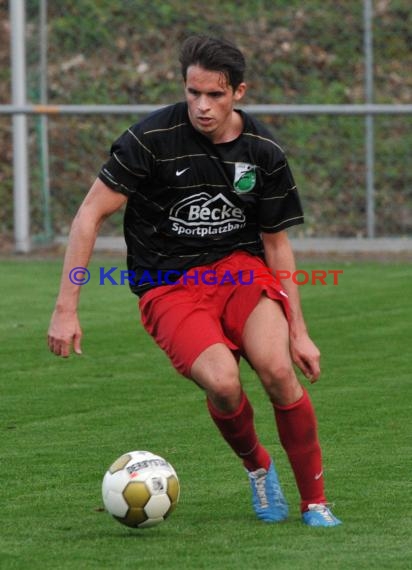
column 100, row 202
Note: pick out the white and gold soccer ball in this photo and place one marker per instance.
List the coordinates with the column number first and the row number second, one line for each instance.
column 140, row 489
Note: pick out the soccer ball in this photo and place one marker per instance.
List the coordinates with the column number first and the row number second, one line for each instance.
column 140, row 489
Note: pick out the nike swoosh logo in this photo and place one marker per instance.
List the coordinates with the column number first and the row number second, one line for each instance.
column 180, row 172
column 318, row 475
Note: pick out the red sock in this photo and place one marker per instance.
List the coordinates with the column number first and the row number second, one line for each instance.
column 298, row 434
column 238, row 429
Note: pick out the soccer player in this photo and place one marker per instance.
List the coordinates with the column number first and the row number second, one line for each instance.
column 209, row 196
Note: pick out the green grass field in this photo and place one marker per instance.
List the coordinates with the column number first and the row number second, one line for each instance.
column 64, row 421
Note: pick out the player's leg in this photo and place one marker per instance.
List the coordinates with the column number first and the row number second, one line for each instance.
column 266, row 344
column 216, row 371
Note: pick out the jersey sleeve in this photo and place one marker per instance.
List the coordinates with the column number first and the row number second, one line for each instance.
column 280, row 205
column 130, row 164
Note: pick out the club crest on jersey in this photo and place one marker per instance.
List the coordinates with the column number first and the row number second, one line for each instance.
column 245, row 177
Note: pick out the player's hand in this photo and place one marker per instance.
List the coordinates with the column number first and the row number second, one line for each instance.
column 306, row 355
column 64, row 333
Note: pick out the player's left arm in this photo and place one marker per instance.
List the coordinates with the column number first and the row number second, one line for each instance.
column 279, row 256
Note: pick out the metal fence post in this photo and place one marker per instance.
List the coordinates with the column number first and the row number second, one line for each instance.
column 43, row 125
column 369, row 121
column 20, row 152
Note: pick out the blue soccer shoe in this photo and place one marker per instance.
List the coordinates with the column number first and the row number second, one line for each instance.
column 268, row 501
column 319, row 515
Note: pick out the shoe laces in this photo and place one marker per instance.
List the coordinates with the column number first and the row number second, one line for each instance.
column 323, row 510
column 259, row 477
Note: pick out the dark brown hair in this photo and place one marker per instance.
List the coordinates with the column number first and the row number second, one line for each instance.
column 213, row 54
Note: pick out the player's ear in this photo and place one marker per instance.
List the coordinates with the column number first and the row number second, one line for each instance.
column 240, row 91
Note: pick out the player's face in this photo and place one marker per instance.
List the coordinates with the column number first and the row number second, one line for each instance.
column 210, row 102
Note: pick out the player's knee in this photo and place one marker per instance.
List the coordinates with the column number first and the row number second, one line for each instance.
column 284, row 395
column 281, row 383
column 225, row 392
column 217, row 372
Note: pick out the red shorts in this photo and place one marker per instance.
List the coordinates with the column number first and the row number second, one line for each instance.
column 209, row 305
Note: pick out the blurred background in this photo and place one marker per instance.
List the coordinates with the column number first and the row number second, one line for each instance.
column 111, row 52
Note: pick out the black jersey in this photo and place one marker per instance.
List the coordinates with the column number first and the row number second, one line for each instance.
column 192, row 202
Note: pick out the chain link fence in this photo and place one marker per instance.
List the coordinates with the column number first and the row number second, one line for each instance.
column 125, row 52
